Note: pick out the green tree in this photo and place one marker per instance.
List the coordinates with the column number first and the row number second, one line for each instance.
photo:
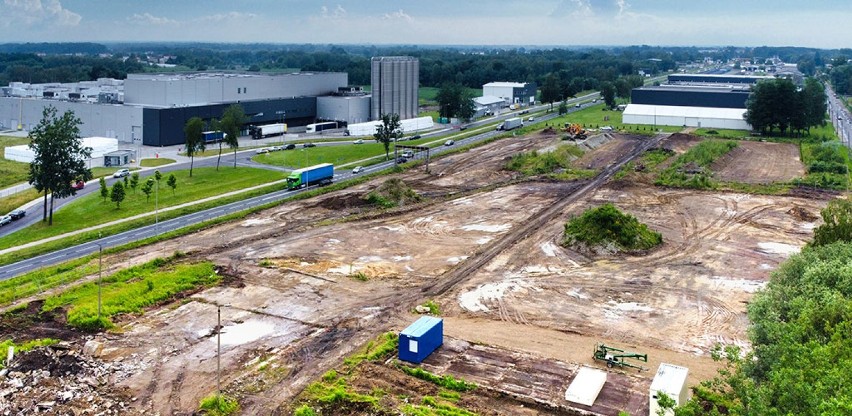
column 388, row 131
column 194, row 141
column 232, row 121
column 148, row 188
column 134, row 181
column 104, row 189
column 59, row 157
column 172, row 182
column 117, row 194
column 563, row 108
column 837, row 223
column 455, row 100
column 608, row 93
column 550, row 90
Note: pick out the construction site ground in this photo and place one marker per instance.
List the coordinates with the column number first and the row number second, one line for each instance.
column 309, row 282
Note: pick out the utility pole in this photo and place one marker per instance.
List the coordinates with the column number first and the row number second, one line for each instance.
column 218, row 352
column 100, row 267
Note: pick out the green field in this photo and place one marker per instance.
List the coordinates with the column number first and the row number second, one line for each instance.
column 12, row 173
column 819, row 132
column 595, row 117
column 337, row 155
column 91, row 210
column 152, row 163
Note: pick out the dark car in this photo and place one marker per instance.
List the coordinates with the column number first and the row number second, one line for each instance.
column 17, row 214
column 290, row 146
column 415, row 137
column 401, row 160
column 308, row 145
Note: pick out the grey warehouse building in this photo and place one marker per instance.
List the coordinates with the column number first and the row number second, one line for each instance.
column 153, row 108
column 715, row 79
column 395, row 81
column 731, row 96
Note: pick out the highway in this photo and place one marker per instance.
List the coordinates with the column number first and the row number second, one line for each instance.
column 840, row 116
column 81, row 250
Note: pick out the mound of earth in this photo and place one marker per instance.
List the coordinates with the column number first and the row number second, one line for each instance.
column 607, row 230
column 392, row 193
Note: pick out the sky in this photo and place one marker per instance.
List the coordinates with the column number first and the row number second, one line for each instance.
column 812, row 23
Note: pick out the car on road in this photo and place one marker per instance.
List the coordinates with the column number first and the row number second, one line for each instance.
column 449, row 142
column 359, row 141
column 531, row 118
column 401, row 159
column 274, row 148
column 308, row 145
column 290, row 146
column 5, row 220
column 463, row 127
column 357, row 170
column 78, row 185
column 577, row 105
column 121, row 173
column 17, row 214
column 408, row 154
column 415, row 137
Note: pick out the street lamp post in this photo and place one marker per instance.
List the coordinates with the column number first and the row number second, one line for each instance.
column 218, row 352
column 100, row 267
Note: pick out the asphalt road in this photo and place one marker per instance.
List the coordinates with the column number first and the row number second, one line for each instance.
column 840, row 117
column 81, row 250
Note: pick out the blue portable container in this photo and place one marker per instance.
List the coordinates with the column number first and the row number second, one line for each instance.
column 420, row 339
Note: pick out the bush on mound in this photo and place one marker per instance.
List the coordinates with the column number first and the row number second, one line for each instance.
column 393, row 192
column 605, row 228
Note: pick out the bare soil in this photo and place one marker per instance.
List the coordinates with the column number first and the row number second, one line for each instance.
column 310, row 281
column 760, row 162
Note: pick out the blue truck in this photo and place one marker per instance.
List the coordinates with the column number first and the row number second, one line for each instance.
column 321, row 174
column 213, row 136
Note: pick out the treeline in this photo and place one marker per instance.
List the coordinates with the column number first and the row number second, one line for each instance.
column 27, row 67
column 777, row 104
column 85, row 48
column 841, row 75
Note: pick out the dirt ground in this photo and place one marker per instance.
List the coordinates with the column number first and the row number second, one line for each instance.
column 312, row 280
column 760, row 162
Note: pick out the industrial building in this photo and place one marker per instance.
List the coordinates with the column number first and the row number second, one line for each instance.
column 152, row 109
column 512, row 92
column 693, row 100
column 395, row 81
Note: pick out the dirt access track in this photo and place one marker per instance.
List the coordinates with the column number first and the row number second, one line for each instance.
column 315, row 279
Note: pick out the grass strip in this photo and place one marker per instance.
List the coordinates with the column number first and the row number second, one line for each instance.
column 130, row 291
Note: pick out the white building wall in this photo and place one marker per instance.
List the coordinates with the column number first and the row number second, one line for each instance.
column 506, row 93
column 349, row 109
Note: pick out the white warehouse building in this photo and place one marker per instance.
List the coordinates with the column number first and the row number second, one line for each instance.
column 700, row 117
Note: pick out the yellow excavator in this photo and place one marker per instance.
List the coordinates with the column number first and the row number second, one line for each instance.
column 575, row 131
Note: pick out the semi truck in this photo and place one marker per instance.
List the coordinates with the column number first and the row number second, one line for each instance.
column 259, row 132
column 213, row 136
column 510, row 123
column 321, row 174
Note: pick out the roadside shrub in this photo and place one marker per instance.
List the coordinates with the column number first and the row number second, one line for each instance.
column 218, row 405
column 447, row 381
column 606, row 226
column 130, row 291
column 26, row 346
column 393, row 192
column 691, row 169
column 541, row 163
column 304, row 410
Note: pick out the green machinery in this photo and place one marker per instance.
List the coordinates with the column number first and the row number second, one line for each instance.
column 616, row 357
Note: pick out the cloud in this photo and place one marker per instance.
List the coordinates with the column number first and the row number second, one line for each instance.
column 397, row 15
column 231, row 16
column 149, row 19
column 338, row 12
column 588, row 8
column 34, row 12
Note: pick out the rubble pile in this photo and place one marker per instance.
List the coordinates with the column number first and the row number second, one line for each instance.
column 63, row 380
